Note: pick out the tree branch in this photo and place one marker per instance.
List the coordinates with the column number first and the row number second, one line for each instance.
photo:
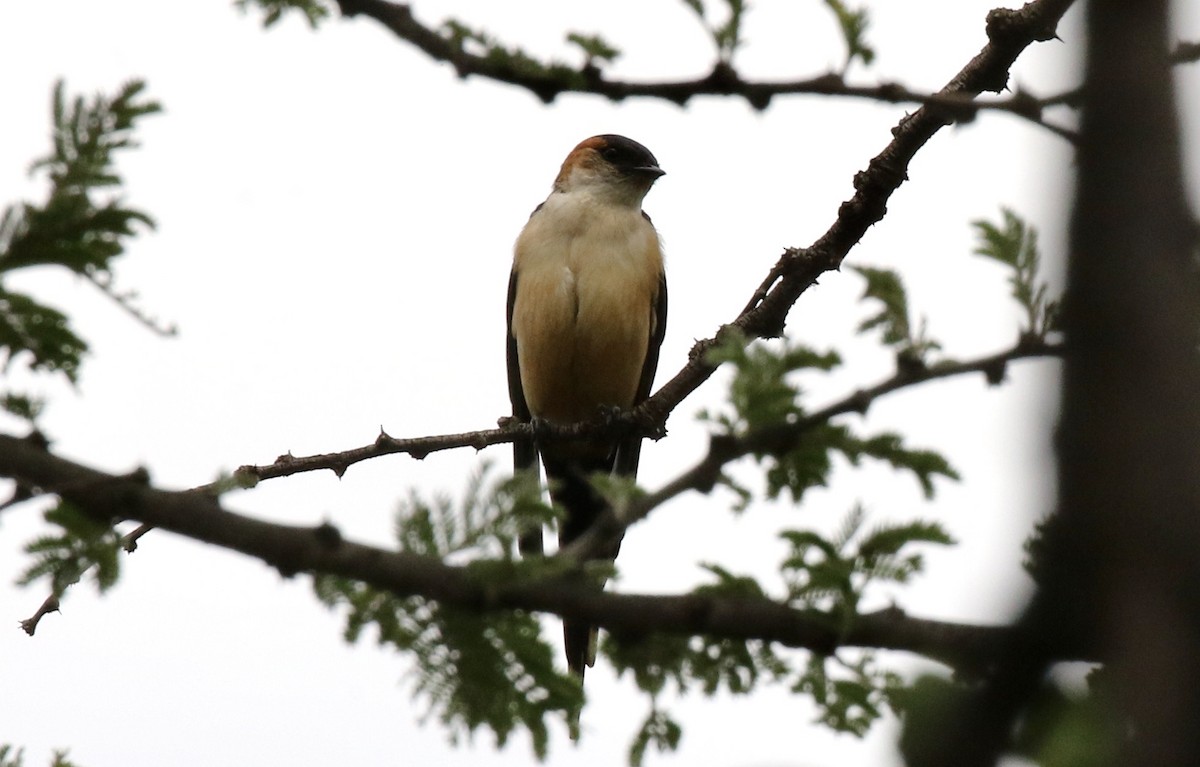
column 418, row 447
column 765, row 315
column 548, row 80
column 780, row 438
column 1009, row 33
column 321, row 549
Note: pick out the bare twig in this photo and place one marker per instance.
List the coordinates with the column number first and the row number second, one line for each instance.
column 125, row 300
column 49, row 605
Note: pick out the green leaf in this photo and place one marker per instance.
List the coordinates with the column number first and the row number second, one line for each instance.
column 853, row 25
column 763, row 392
column 659, row 730
column 885, row 286
column 40, row 332
column 556, row 76
column 832, row 575
column 853, row 695
column 889, row 447
column 726, row 35
column 314, row 11
column 912, row 346
column 653, row 661
column 80, row 546
column 810, row 462
column 23, row 406
column 492, row 670
column 890, row 539
column 709, row 663
column 486, row 522
column 1013, row 243
column 594, row 47
column 75, row 228
column 729, row 585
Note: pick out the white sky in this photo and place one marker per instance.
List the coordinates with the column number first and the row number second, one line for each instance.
column 336, row 215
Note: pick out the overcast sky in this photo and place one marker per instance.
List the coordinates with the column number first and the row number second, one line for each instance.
column 335, row 218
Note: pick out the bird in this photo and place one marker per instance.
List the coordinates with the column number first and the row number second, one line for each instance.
column 587, row 311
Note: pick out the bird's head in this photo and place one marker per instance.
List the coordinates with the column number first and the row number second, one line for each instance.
column 609, row 166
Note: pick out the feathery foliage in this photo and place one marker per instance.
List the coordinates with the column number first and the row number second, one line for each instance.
column 911, row 345
column 853, row 26
column 1013, row 242
column 473, row 669
column 11, row 758
column 764, row 394
column 727, row 34
column 827, row 576
column 594, row 47
column 78, row 227
column 851, row 695
column 314, row 11
column 832, row 574
column 519, row 62
column 81, row 545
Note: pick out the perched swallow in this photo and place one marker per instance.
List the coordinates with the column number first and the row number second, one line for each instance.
column 587, row 309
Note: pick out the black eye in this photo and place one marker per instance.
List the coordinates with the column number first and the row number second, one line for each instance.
column 611, row 153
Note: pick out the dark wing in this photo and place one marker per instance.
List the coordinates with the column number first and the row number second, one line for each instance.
column 629, row 452
column 524, row 451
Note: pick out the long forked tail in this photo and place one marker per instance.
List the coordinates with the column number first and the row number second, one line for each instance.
column 570, row 490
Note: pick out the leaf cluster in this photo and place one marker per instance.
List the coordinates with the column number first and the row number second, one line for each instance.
column 1013, row 243
column 11, row 758
column 473, row 669
column 726, row 35
column 709, row 664
column 81, row 544
column 495, row 670
column 594, row 47
column 832, row 574
column 851, row 695
column 314, row 11
column 764, row 394
column 78, row 228
column 827, row 576
column 486, row 523
column 910, row 342
column 853, row 26
column 521, row 64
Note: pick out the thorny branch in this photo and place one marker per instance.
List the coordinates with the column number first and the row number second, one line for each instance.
column 765, row 315
column 701, row 477
column 780, row 438
column 547, row 82
column 293, row 550
column 992, row 366
column 1009, row 33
